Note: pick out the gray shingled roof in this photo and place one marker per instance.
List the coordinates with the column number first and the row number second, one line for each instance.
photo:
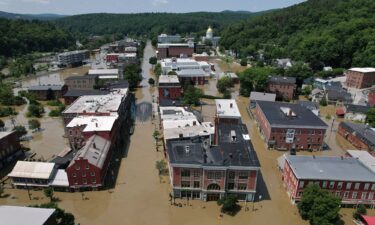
column 303, row 118
column 362, row 131
column 329, row 168
column 351, row 108
column 282, row 80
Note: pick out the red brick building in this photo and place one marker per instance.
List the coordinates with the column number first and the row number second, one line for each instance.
column 10, row 148
column 48, row 92
column 360, row 136
column 169, row 50
column 371, row 98
column 192, row 76
column 283, row 87
column 347, row 178
column 112, row 57
column 360, row 77
column 288, row 126
column 169, row 87
column 89, row 166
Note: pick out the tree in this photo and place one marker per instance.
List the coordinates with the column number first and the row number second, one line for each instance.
column 243, row 62
column 48, row 192
column 371, row 117
column 34, row 124
column 323, row 101
column 132, row 75
column 255, row 78
column 172, row 72
column 192, row 95
column 156, row 134
column 157, row 70
column 229, row 204
column 306, row 91
column 35, row 110
column 361, row 210
column 2, row 124
column 20, row 130
column 153, row 60
column 161, row 166
column 319, row 206
column 299, row 70
column 151, row 81
column 223, row 84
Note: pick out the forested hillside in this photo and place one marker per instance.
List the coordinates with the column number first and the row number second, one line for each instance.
column 339, row 33
column 20, row 37
column 150, row 24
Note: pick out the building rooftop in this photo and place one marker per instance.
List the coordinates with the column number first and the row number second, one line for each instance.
column 79, row 93
column 36, row 170
column 45, row 87
column 192, row 73
column 282, row 80
column 234, row 149
column 94, row 123
column 72, row 52
column 173, row 112
column 168, row 79
column 60, row 179
column 364, row 157
column 5, row 133
column 281, row 114
column 95, row 151
column 103, row 72
column 363, row 69
column 81, row 77
column 362, row 131
column 352, row 108
column 204, row 129
column 227, row 108
column 329, row 168
column 21, row 215
column 167, row 45
column 308, row 104
column 109, row 103
column 262, row 96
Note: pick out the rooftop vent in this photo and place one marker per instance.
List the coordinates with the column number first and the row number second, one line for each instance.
column 94, row 145
column 233, row 135
column 187, row 149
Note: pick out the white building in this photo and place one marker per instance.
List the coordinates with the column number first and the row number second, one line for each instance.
column 210, row 37
column 178, row 64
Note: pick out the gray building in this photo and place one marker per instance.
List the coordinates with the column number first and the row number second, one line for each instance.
column 165, row 38
column 73, row 57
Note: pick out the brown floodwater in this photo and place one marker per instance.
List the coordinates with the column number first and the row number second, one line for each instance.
column 141, row 197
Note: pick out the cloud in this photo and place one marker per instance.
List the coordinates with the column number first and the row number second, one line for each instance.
column 38, row 1
column 160, row 2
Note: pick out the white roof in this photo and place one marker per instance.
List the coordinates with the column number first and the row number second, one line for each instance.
column 168, row 79
column 364, row 157
column 108, row 77
column 230, row 75
column 21, row 215
column 173, row 112
column 227, row 108
column 104, row 72
column 38, row 170
column 61, row 179
column 94, row 123
column 203, row 129
column 363, row 69
column 5, row 133
column 179, row 122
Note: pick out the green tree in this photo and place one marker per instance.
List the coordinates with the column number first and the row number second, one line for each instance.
column 20, row 130
column 34, row 124
column 319, row 206
column 35, row 110
column 323, row 101
column 172, row 72
column 157, row 70
column 153, row 60
column 306, row 91
column 48, row 192
column 151, row 81
column 161, row 166
column 371, row 117
column 192, row 95
column 132, row 75
column 255, row 78
column 243, row 62
column 361, row 210
column 223, row 84
column 229, row 204
column 299, row 70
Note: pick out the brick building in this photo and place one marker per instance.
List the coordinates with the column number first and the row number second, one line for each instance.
column 72, row 95
column 284, row 87
column 10, row 148
column 89, row 166
column 371, row 98
column 347, row 178
column 48, row 92
column 359, row 135
column 191, row 76
column 360, row 77
column 288, row 126
column 169, row 87
column 86, row 82
column 169, row 50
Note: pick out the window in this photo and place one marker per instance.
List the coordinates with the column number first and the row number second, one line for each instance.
column 197, row 173
column 185, row 173
column 356, row 186
column 364, row 195
column 231, row 175
column 354, row 194
column 348, row 186
column 242, row 186
column 84, row 181
column 346, row 194
column 92, row 174
column 78, row 167
column 210, row 175
column 331, row 184
column 339, row 185
column 75, row 181
column 370, row 195
column 373, row 187
column 230, row 186
column 196, row 184
column 243, row 175
column 74, row 175
column 338, row 194
column 300, row 193
column 218, row 175
column 84, row 174
column 87, row 167
column 324, row 184
column 367, row 185
column 93, row 180
column 301, row 183
column 185, row 183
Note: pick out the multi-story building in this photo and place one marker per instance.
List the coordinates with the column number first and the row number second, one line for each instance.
column 73, row 57
column 177, row 64
column 346, row 178
column 169, row 50
column 284, row 87
column 360, row 136
column 10, row 148
column 27, row 215
column 192, row 76
column 105, row 73
column 360, row 77
column 89, row 166
column 86, row 82
column 169, row 87
column 72, row 95
column 48, row 92
column 199, row 170
column 165, row 38
column 287, row 126
column 227, row 111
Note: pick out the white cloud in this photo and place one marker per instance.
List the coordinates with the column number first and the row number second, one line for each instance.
column 38, row 1
column 160, row 2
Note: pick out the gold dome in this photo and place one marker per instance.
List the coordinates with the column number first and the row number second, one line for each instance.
column 209, row 30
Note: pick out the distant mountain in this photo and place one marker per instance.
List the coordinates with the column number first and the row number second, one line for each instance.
column 46, row 16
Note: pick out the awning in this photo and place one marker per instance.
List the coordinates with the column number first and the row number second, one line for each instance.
column 340, row 112
column 369, row 220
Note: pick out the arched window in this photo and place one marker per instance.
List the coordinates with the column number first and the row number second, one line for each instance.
column 213, row 187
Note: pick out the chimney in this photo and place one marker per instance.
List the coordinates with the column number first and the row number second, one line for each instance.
column 94, row 145
column 96, row 124
column 231, row 155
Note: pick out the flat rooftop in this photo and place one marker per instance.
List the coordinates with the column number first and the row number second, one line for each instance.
column 108, row 103
column 104, row 72
column 234, row 149
column 45, row 87
column 94, row 123
column 174, row 112
column 363, row 69
column 36, row 170
column 192, row 73
column 167, row 45
column 282, row 80
column 203, row 129
column 281, row 114
column 262, row 96
column 227, row 108
column 22, row 215
column 168, row 79
column 329, row 168
column 364, row 157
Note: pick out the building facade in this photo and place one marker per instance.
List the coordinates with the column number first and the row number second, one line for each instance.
column 10, row 148
column 360, row 136
column 360, row 77
column 169, row 87
column 73, row 57
column 170, row 50
column 86, row 82
column 48, row 92
column 283, row 87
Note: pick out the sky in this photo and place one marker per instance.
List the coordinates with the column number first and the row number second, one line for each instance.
column 71, row 7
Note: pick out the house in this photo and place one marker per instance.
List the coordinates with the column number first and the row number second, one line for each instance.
column 317, row 95
column 10, row 148
column 287, row 126
column 284, row 87
column 261, row 96
column 232, row 76
column 169, row 50
column 360, row 77
column 48, row 92
column 22, row 215
column 359, row 135
column 356, row 112
column 345, row 177
column 338, row 96
column 320, row 83
column 284, row 63
column 86, row 82
column 89, row 166
column 169, row 87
